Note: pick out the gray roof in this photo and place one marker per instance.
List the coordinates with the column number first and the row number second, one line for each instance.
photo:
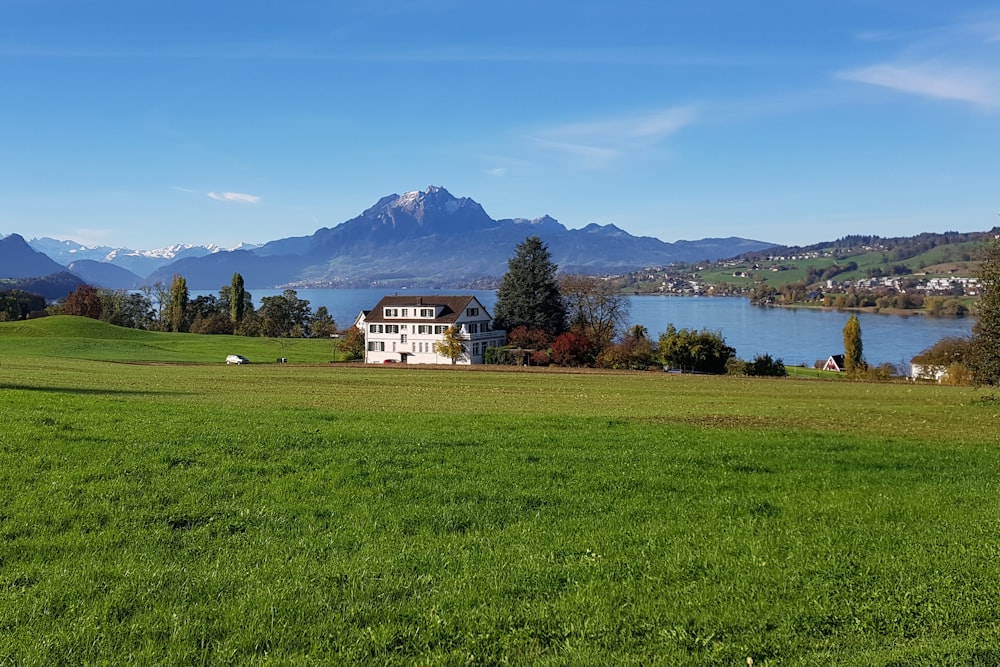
column 453, row 307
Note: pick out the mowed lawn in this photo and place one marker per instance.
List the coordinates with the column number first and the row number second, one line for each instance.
column 160, row 507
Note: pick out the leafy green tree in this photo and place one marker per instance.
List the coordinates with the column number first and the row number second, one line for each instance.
column 764, row 365
column 203, row 305
column 451, row 345
column 252, row 325
column 237, row 295
column 17, row 304
column 226, row 304
column 158, row 296
column 854, row 360
column 985, row 358
column 126, row 309
column 529, row 294
column 634, row 352
column 695, row 351
column 322, row 325
column 595, row 308
column 352, row 344
column 208, row 316
column 212, row 324
column 285, row 315
column 947, row 351
column 177, row 305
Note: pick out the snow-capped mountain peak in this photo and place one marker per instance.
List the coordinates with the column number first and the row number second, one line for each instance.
column 141, row 262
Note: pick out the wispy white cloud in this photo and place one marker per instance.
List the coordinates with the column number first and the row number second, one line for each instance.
column 235, row 197
column 590, row 156
column 497, row 171
column 957, row 61
column 974, row 86
column 600, row 142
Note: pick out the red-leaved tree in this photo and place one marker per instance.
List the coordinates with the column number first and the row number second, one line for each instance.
column 528, row 339
column 85, row 301
column 571, row 349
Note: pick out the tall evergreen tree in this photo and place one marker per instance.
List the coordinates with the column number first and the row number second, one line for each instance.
column 854, row 360
column 529, row 293
column 236, row 296
column 985, row 357
column 177, row 307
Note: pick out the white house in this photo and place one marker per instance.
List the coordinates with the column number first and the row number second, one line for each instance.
column 935, row 372
column 834, row 363
column 404, row 329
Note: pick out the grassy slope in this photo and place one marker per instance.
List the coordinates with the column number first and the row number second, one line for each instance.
column 231, row 515
column 86, row 338
column 936, row 262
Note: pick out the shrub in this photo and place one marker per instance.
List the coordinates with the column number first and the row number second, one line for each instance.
column 958, row 375
column 698, row 351
column 505, row 356
column 571, row 349
column 763, row 365
column 736, row 366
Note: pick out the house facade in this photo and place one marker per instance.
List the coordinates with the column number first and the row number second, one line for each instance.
column 835, row 363
column 934, row 372
column 404, row 329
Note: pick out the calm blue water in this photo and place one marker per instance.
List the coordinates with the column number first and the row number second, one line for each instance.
column 797, row 336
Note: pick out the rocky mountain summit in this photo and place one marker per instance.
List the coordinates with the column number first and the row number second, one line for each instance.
column 426, row 238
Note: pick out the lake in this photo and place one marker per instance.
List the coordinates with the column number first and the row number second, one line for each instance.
column 798, row 336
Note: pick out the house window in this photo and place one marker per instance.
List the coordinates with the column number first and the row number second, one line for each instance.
column 423, row 328
column 404, row 312
column 392, row 312
column 426, row 312
column 440, row 329
column 402, row 338
column 471, row 312
column 371, row 328
column 473, row 327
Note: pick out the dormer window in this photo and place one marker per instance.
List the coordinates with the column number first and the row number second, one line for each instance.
column 427, row 312
column 391, row 312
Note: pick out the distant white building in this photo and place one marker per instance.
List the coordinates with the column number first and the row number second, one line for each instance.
column 934, row 372
column 404, row 329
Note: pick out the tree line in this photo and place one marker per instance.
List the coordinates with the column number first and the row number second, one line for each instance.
column 573, row 320
column 975, row 359
column 171, row 308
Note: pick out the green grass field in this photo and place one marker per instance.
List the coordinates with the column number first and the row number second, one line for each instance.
column 158, row 507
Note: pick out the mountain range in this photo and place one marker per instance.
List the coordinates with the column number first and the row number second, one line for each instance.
column 423, row 238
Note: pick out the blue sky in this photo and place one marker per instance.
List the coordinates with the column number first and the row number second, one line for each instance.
column 145, row 123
